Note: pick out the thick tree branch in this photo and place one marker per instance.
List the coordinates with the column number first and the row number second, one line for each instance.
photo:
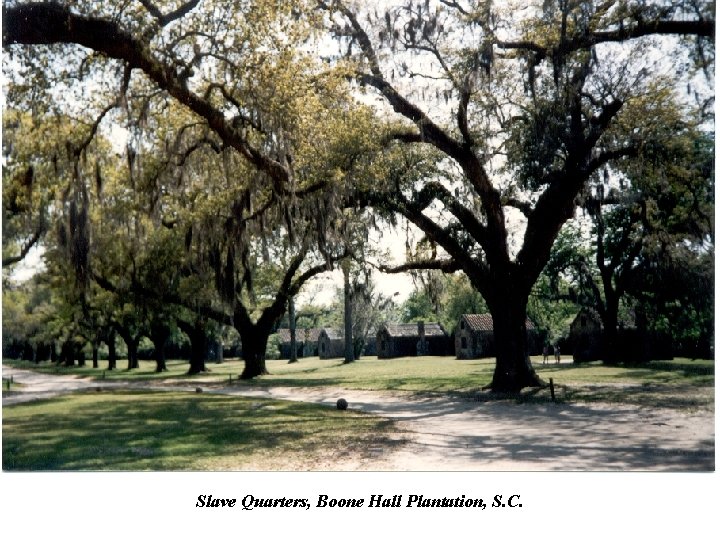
column 49, row 23
column 612, row 155
column 524, row 206
column 436, row 191
column 27, row 246
column 557, row 203
column 700, row 28
column 447, row 266
column 164, row 20
column 413, row 213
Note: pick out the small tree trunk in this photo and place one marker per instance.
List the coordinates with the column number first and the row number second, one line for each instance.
column 112, row 351
column 293, row 328
column 95, row 352
column 67, row 354
column 159, row 354
column 80, row 355
column 612, row 354
column 198, row 348
column 348, row 316
column 159, row 337
column 132, row 347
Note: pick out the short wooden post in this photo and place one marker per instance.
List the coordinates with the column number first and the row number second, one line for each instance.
column 552, row 390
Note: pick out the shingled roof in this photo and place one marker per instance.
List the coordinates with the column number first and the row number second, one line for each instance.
column 484, row 322
column 332, row 333
column 411, row 329
column 312, row 334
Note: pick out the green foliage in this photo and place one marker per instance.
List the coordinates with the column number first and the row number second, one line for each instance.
column 446, row 300
column 273, row 347
column 550, row 313
column 246, row 144
column 418, row 307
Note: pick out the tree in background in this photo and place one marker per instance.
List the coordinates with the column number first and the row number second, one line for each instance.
column 262, row 142
column 451, row 297
column 641, row 237
column 539, row 98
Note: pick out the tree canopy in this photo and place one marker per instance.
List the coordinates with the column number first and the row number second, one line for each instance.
column 247, row 137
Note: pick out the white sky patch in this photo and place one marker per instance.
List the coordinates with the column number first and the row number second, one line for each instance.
column 118, row 136
column 29, row 266
column 391, row 240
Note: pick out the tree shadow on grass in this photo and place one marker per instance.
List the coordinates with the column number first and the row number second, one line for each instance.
column 140, row 431
column 561, row 437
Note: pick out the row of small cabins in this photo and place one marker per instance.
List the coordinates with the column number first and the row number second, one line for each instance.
column 473, row 338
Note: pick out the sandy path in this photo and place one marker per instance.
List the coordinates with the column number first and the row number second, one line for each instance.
column 452, row 434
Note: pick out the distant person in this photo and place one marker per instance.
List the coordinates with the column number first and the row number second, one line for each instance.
column 546, row 352
column 557, row 354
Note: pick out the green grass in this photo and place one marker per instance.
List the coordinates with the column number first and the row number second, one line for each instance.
column 169, row 431
column 653, row 383
column 414, row 374
column 174, row 431
column 420, row 374
column 177, row 370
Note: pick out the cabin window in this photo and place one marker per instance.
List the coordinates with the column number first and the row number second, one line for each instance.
column 462, row 325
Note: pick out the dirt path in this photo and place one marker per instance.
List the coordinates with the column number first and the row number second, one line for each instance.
column 448, row 434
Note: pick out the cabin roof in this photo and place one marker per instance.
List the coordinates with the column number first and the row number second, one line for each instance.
column 300, row 334
column 432, row 329
column 332, row 333
column 484, row 323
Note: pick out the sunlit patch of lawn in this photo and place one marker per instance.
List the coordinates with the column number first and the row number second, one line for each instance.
column 180, row 431
column 681, row 381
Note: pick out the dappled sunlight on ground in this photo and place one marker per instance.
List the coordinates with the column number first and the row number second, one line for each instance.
column 466, row 431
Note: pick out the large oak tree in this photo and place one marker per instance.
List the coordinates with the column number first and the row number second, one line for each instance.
column 529, row 103
column 252, row 136
column 524, row 103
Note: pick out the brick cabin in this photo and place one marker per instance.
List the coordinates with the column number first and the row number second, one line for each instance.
column 412, row 339
column 474, row 337
column 331, row 343
column 305, row 338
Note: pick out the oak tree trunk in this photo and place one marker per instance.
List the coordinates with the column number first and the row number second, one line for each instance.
column 198, row 349
column 67, row 354
column 254, row 344
column 513, row 370
column 132, row 353
column 159, row 337
column 612, row 354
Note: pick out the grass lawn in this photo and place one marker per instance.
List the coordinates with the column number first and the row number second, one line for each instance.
column 169, row 431
column 126, row 430
column 681, row 382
